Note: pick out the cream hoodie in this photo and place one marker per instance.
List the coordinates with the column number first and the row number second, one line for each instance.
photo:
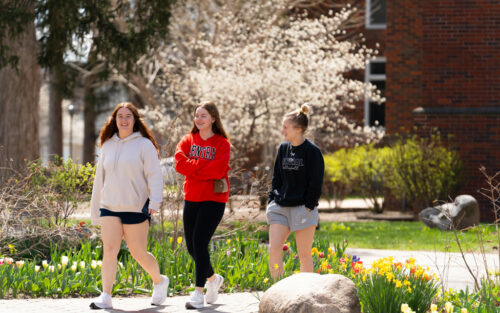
column 128, row 173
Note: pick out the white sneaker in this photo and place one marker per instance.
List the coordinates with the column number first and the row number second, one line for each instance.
column 160, row 291
column 196, row 301
column 102, row 302
column 213, row 288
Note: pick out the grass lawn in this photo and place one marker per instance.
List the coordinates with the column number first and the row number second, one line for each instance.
column 407, row 236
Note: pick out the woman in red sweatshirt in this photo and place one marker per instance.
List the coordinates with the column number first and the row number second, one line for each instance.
column 202, row 156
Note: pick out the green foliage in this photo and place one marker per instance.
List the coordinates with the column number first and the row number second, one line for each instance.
column 121, row 31
column 14, row 17
column 242, row 260
column 412, row 236
column 485, row 300
column 422, row 170
column 360, row 169
column 68, row 178
column 419, row 170
column 63, row 182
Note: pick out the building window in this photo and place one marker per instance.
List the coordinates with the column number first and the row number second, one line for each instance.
column 375, row 74
column 376, row 14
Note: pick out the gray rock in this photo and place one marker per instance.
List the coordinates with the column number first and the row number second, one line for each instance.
column 460, row 214
column 311, row 293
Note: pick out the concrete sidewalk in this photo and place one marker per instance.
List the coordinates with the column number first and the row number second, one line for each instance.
column 244, row 302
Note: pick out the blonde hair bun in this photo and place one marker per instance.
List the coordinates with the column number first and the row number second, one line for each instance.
column 305, row 108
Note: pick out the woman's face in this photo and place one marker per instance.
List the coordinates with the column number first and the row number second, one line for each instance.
column 290, row 131
column 203, row 120
column 125, row 120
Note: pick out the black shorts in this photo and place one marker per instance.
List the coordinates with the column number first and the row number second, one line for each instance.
column 130, row 217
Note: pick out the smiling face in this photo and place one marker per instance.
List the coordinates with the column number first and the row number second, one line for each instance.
column 290, row 131
column 125, row 121
column 203, row 120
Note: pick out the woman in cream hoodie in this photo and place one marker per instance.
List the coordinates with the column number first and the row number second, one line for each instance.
column 127, row 189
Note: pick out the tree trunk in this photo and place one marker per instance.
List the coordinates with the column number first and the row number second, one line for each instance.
column 19, row 102
column 89, row 117
column 55, row 114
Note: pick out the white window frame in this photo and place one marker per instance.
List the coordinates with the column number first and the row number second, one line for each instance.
column 369, row 25
column 368, row 78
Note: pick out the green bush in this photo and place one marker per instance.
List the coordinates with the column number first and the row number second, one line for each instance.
column 64, row 182
column 418, row 170
column 35, row 206
column 422, row 170
column 360, row 169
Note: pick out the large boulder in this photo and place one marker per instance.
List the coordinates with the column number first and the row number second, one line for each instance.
column 460, row 214
column 311, row 293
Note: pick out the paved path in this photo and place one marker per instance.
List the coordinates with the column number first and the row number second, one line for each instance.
column 237, row 302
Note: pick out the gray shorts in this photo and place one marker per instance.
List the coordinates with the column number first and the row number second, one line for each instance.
column 295, row 217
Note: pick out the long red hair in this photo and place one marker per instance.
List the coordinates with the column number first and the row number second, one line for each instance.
column 110, row 128
column 217, row 127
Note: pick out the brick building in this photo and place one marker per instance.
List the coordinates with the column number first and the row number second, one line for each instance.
column 439, row 66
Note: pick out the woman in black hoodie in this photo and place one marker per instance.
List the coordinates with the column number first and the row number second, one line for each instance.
column 296, row 188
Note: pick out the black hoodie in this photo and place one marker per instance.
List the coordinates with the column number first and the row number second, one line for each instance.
column 298, row 175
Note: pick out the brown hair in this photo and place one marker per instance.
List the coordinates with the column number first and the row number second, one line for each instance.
column 299, row 117
column 217, row 127
column 110, row 128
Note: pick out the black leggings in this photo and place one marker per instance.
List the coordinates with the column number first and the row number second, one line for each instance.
column 200, row 221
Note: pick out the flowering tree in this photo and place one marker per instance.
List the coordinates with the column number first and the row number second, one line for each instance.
column 258, row 61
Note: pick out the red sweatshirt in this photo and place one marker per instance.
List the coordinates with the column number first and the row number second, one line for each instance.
column 203, row 161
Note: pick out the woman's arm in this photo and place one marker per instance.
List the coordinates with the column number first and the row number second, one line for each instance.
column 276, row 181
column 183, row 164
column 95, row 201
column 153, row 174
column 316, row 171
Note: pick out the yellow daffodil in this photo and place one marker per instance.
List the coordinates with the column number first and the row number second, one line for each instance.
column 228, row 241
column 434, row 308
column 324, row 265
column 266, row 280
column 179, row 240
column 448, row 307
